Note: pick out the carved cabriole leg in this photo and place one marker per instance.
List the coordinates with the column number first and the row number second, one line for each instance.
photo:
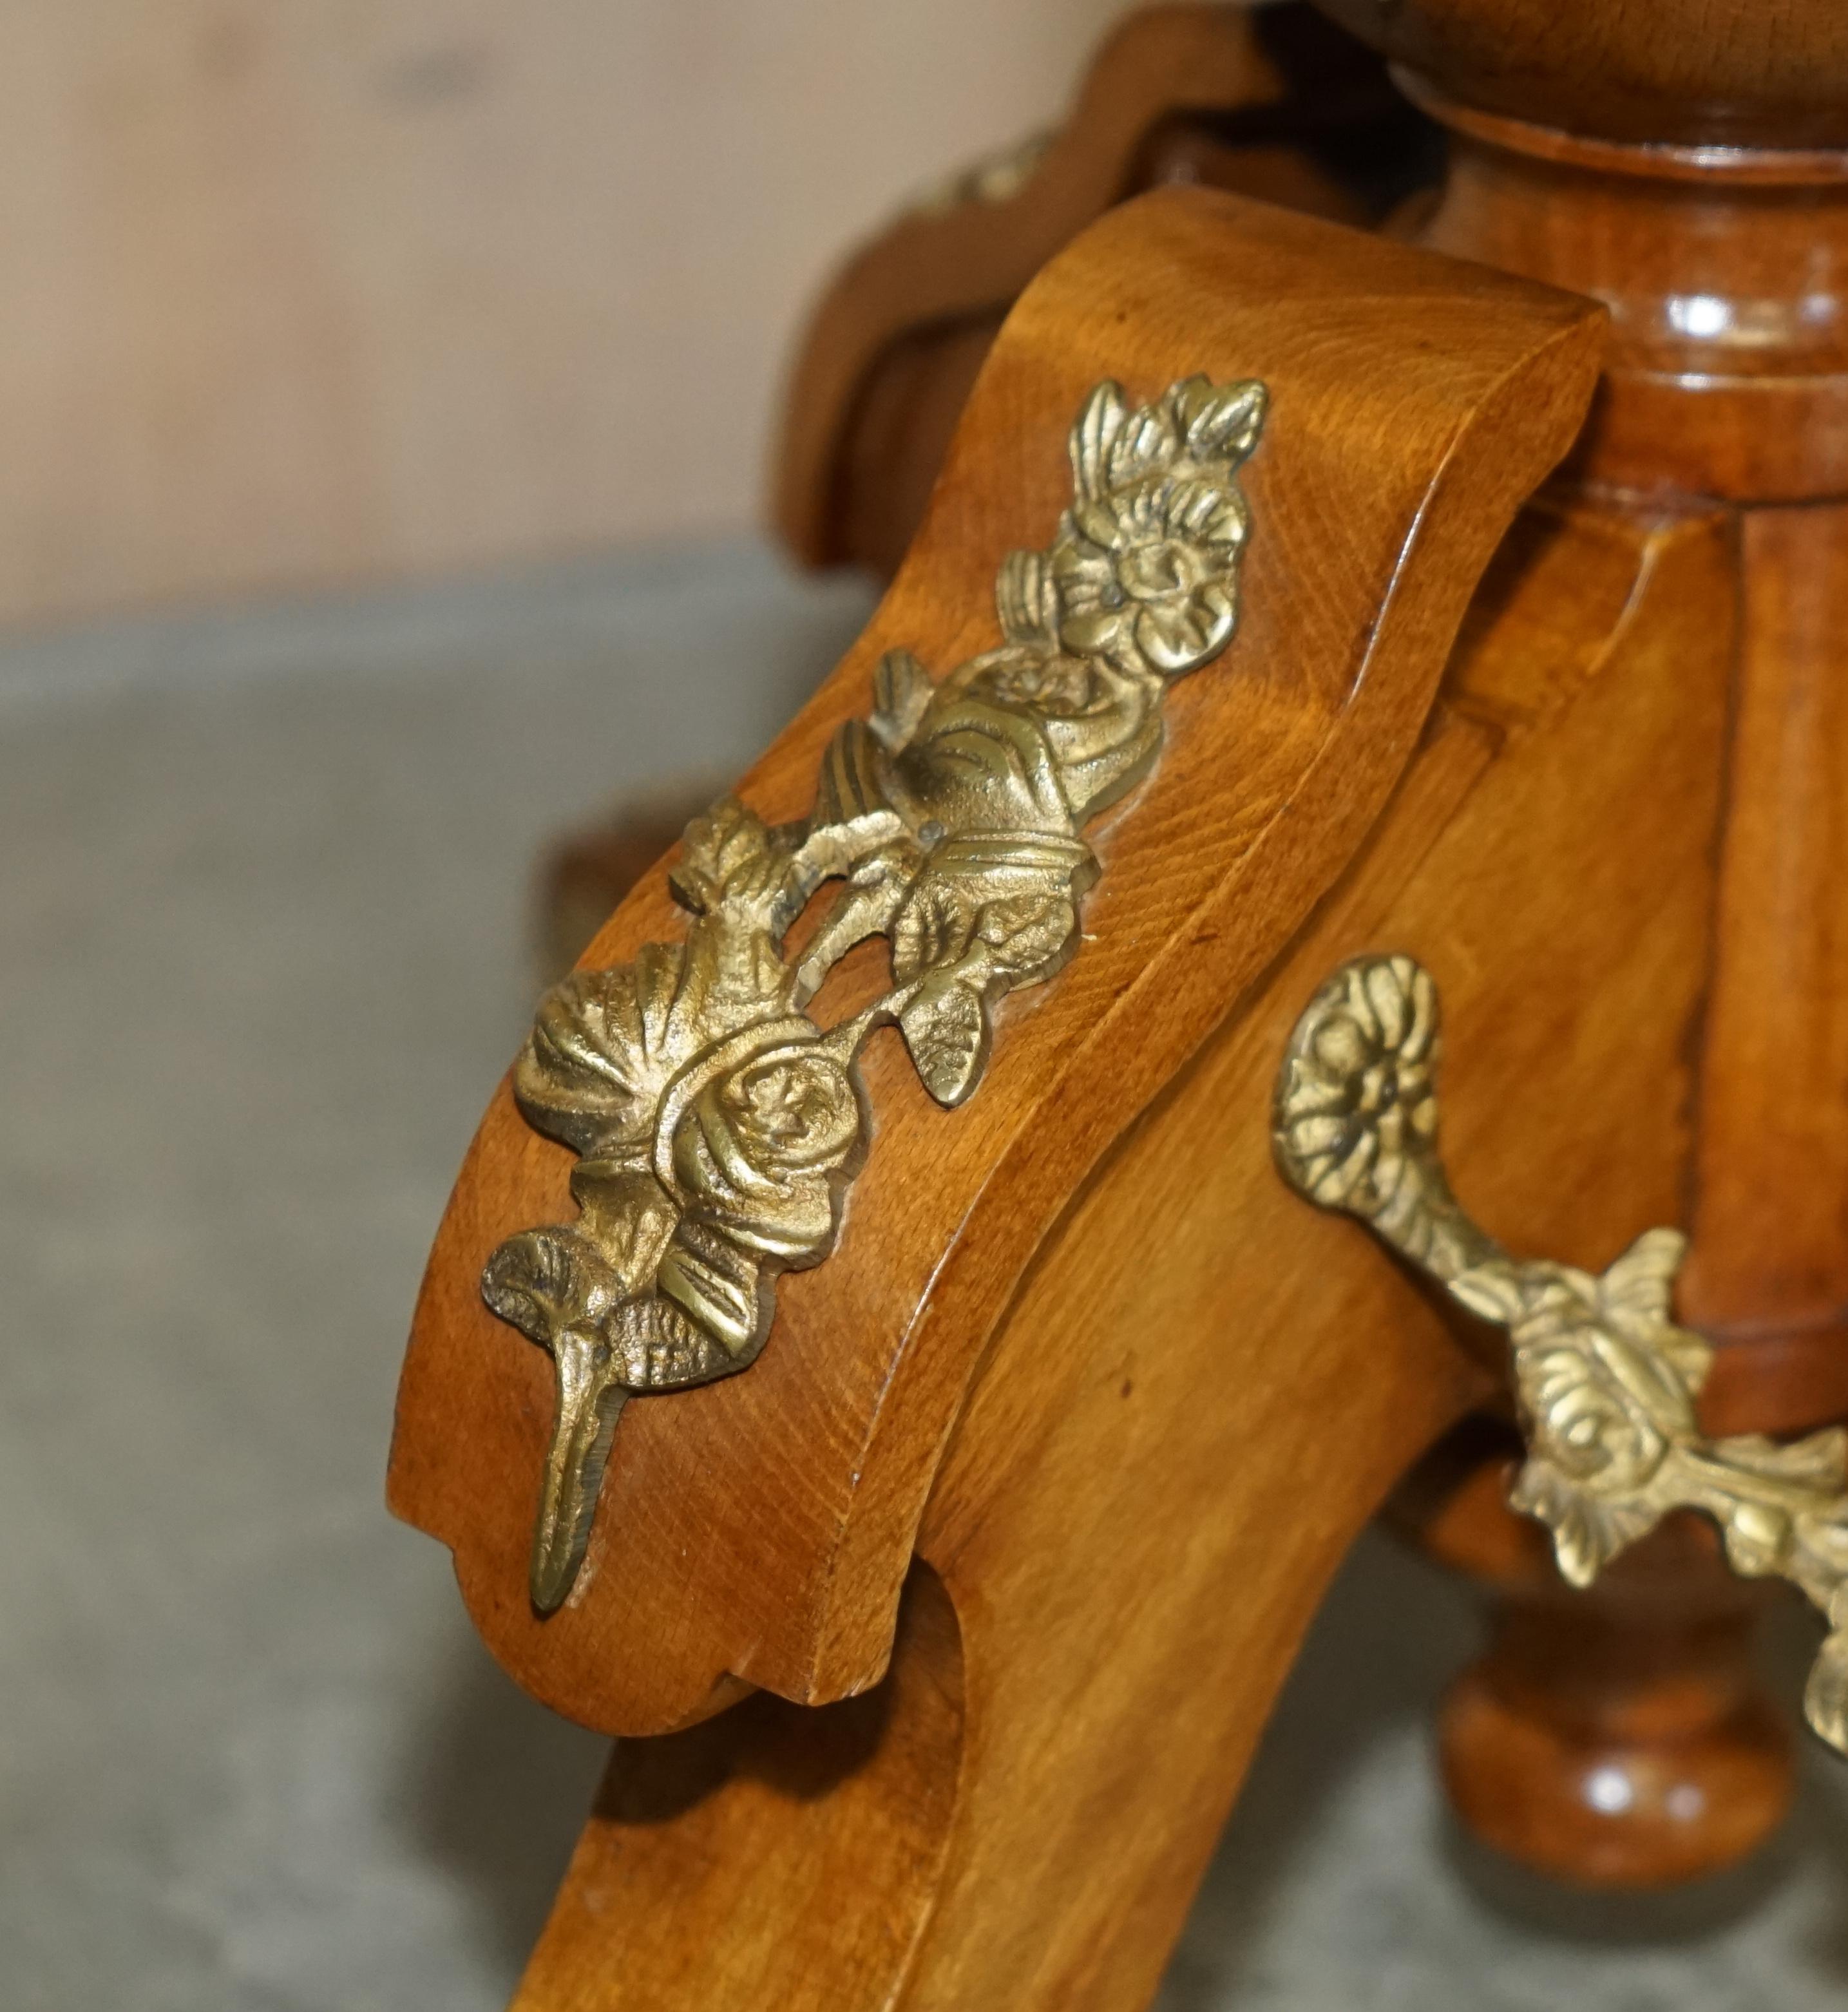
column 1077, row 1348
column 1198, row 1396
column 762, row 1526
column 1726, row 378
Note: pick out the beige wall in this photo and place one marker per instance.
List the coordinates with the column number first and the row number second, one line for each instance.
column 297, row 289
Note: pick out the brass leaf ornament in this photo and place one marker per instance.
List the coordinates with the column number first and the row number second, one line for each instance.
column 717, row 1124
column 1605, row 1380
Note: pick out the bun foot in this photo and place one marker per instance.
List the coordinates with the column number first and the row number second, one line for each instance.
column 1658, row 1784
column 1621, row 1738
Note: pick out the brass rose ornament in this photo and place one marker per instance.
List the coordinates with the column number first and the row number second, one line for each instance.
column 1605, row 1380
column 717, row 1125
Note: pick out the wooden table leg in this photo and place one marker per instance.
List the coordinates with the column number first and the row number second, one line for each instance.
column 1077, row 1368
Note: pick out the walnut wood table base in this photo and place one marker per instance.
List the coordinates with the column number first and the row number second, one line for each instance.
column 1023, row 1509
column 1719, row 247
column 1014, row 1525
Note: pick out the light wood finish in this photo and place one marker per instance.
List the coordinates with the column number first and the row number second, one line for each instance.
column 1202, row 1388
column 1390, row 375
column 1147, row 1396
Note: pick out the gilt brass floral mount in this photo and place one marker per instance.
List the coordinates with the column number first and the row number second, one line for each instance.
column 1605, row 1380
column 718, row 1124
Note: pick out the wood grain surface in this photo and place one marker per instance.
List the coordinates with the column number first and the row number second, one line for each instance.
column 1768, row 73
column 1618, row 845
column 1202, row 1388
column 1768, row 1272
column 759, row 1531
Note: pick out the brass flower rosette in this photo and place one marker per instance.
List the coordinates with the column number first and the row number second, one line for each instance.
column 717, row 1123
column 1605, row 1380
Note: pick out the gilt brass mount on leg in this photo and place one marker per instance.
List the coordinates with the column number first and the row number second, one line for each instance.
column 717, row 1125
column 1605, row 1381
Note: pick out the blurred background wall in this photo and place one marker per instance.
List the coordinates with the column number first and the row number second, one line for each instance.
column 297, row 294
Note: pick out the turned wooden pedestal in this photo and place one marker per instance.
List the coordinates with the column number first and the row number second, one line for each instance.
column 1714, row 226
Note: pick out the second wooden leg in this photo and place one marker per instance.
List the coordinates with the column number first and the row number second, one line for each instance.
column 1619, row 1738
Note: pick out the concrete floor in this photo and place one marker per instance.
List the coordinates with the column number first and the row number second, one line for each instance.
column 263, row 950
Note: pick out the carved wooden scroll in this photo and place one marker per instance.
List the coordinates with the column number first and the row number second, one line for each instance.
column 757, row 1529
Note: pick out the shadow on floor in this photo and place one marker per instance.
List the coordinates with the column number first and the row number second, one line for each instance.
column 1391, row 1636
column 495, row 1792
column 496, row 1788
